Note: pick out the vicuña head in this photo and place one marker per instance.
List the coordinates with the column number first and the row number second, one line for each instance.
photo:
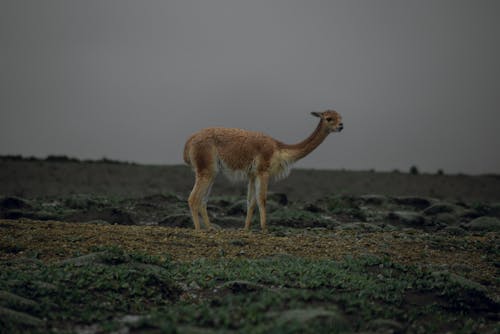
column 242, row 154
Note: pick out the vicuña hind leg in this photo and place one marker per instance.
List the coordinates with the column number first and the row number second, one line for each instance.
column 196, row 199
column 204, row 213
column 261, row 190
column 250, row 202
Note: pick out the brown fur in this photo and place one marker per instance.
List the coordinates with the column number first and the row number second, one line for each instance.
column 250, row 155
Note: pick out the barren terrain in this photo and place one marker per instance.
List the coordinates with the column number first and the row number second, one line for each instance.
column 103, row 247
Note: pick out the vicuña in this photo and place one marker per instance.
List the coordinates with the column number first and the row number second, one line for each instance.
column 247, row 155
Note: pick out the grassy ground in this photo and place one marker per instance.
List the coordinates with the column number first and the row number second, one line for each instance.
column 101, row 278
column 102, row 262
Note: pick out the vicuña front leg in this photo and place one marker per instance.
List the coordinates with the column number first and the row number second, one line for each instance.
column 261, row 190
column 250, row 202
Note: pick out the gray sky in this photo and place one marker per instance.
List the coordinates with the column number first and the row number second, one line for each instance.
column 417, row 82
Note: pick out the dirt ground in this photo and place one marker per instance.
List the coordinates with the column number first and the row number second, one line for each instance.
column 30, row 179
column 69, row 239
column 371, row 252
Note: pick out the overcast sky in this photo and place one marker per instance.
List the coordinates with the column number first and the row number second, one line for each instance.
column 417, row 82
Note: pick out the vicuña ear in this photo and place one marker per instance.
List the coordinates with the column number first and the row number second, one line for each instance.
column 316, row 113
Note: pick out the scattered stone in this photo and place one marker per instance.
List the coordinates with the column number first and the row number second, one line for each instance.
column 373, row 199
column 484, row 224
column 177, row 220
column 413, row 201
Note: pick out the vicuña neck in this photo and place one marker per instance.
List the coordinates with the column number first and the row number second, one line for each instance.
column 300, row 150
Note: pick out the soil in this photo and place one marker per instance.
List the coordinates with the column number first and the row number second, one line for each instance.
column 443, row 229
column 29, row 179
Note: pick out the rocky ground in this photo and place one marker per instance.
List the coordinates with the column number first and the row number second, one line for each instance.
column 93, row 262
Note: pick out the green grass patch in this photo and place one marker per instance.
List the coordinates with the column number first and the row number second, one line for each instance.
column 281, row 294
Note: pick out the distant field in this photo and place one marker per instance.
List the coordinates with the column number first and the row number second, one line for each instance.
column 56, row 178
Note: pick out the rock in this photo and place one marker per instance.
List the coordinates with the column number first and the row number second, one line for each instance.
column 407, row 218
column 373, row 199
column 177, row 220
column 484, row 224
column 440, row 208
column 416, row 202
column 20, row 318
column 317, row 317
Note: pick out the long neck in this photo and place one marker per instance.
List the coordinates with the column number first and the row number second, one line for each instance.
column 298, row 151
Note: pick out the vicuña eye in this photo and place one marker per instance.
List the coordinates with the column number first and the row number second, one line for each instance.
column 328, row 119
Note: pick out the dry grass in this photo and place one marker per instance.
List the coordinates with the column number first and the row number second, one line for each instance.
column 53, row 241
